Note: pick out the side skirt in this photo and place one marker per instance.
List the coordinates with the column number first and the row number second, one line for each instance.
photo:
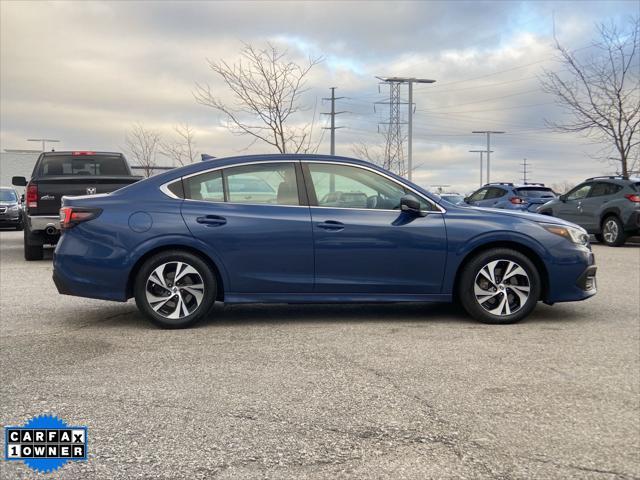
column 230, row 297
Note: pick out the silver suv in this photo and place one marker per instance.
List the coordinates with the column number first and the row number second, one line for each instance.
column 608, row 207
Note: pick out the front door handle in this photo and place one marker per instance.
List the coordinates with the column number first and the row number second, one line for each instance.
column 212, row 220
column 331, row 225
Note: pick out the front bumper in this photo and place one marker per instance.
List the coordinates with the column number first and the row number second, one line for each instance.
column 571, row 276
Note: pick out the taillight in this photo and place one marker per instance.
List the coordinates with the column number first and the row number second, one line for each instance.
column 75, row 154
column 70, row 216
column 517, row 200
column 32, row 195
column 633, row 197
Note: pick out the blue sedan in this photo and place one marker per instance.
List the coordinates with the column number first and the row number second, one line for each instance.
column 310, row 229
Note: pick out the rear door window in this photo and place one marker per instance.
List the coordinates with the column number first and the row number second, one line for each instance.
column 494, row 192
column 88, row 165
column 604, row 188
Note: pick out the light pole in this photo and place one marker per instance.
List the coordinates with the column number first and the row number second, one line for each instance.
column 43, row 140
column 480, row 152
column 488, row 132
column 409, row 81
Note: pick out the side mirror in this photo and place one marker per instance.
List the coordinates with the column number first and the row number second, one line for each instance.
column 22, row 198
column 563, row 198
column 466, row 199
column 411, row 204
column 19, row 181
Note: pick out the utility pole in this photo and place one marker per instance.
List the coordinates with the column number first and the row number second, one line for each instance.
column 525, row 171
column 396, row 82
column 488, row 132
column 333, row 114
column 481, row 152
column 43, row 140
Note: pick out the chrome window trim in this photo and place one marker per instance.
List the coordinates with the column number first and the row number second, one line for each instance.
column 164, row 187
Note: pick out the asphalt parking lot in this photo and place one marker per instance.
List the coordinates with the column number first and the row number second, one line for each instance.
column 393, row 391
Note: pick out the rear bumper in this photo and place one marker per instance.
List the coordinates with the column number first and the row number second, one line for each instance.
column 632, row 225
column 38, row 223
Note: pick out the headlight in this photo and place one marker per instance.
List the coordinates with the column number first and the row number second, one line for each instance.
column 575, row 235
column 15, row 208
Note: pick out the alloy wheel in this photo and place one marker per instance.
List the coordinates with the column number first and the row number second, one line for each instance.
column 502, row 287
column 610, row 231
column 174, row 290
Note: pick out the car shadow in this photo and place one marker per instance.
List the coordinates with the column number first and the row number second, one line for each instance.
column 412, row 314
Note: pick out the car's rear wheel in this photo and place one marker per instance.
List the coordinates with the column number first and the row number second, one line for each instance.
column 175, row 289
column 499, row 286
column 613, row 231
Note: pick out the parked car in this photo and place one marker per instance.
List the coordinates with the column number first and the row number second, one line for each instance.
column 608, row 207
column 451, row 197
column 527, row 197
column 177, row 255
column 10, row 208
column 65, row 173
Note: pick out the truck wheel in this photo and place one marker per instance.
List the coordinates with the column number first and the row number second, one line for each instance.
column 499, row 286
column 33, row 250
column 613, row 231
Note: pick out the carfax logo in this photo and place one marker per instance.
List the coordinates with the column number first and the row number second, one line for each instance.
column 45, row 443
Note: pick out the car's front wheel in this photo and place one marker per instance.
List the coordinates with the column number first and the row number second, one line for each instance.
column 175, row 289
column 499, row 286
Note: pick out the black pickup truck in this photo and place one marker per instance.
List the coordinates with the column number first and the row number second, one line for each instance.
column 58, row 174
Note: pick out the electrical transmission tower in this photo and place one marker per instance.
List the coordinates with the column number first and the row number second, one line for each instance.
column 394, row 149
column 333, row 114
column 525, row 171
column 394, row 154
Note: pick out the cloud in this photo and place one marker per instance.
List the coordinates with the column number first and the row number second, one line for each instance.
column 84, row 72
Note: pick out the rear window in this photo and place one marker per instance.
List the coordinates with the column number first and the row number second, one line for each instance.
column 535, row 192
column 83, row 165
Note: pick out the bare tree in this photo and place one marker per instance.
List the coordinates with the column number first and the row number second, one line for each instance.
column 379, row 154
column 182, row 150
column 143, row 144
column 602, row 93
column 267, row 90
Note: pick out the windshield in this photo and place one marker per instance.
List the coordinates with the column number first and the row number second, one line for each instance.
column 8, row 196
column 83, row 165
column 535, row 192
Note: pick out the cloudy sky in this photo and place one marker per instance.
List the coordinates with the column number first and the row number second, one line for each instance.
column 84, row 72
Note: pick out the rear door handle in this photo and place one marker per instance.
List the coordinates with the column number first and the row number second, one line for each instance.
column 331, row 225
column 212, row 220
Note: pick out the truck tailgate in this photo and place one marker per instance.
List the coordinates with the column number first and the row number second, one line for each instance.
column 51, row 189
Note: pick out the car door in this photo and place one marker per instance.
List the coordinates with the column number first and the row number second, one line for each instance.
column 571, row 207
column 255, row 219
column 366, row 244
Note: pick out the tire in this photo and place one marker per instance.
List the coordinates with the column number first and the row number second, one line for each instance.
column 33, row 249
column 613, row 231
column 503, row 303
column 20, row 227
column 183, row 307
